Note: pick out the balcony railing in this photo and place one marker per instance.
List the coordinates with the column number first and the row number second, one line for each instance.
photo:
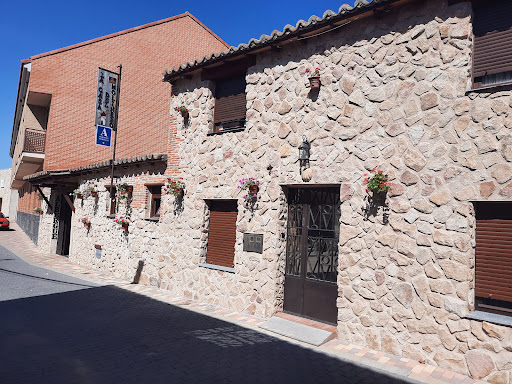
column 34, row 141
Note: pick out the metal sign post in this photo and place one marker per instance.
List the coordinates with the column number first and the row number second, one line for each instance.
column 112, row 194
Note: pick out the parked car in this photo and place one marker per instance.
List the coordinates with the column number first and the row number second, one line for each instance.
column 4, row 221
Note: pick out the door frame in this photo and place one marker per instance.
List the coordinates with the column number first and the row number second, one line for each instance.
column 305, row 287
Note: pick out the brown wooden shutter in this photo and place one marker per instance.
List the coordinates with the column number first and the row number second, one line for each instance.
column 494, row 251
column 492, row 29
column 230, row 100
column 222, row 233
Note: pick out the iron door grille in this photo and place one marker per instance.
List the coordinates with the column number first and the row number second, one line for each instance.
column 313, row 234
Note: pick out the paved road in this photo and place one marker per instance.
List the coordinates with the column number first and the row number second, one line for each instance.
column 57, row 329
column 19, row 279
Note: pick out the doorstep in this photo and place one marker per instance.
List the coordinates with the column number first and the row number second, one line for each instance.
column 297, row 328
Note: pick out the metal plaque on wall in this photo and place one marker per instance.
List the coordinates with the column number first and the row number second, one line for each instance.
column 253, row 242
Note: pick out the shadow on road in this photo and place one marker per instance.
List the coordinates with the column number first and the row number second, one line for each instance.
column 109, row 335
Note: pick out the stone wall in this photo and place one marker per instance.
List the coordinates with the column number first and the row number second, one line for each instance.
column 393, row 97
column 5, row 190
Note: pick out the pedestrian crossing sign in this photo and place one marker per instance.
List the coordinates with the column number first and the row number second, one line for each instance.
column 103, row 135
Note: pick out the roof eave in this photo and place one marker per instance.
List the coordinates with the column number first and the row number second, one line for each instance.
column 288, row 35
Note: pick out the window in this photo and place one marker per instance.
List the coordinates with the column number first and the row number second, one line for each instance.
column 493, row 257
column 1, row 183
column 230, row 103
column 222, row 233
column 155, row 199
column 492, row 56
column 112, row 205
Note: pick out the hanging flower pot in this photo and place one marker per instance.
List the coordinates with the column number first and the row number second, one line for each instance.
column 314, row 79
column 85, row 221
column 174, row 187
column 123, row 222
column 314, row 82
column 124, row 191
column 251, row 186
column 377, row 183
column 253, row 189
column 183, row 110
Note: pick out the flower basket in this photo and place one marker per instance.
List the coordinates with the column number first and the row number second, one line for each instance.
column 252, row 187
column 89, row 190
column 183, row 110
column 123, row 222
column 85, row 221
column 377, row 184
column 174, row 187
column 124, row 191
column 314, row 79
column 314, row 82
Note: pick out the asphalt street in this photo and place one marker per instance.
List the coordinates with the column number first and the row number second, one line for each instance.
column 58, row 329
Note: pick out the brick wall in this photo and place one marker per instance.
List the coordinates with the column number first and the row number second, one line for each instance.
column 70, row 76
column 28, row 199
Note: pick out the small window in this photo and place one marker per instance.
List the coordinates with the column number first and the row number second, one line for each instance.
column 493, row 260
column 1, row 183
column 222, row 233
column 155, row 199
column 230, row 104
column 492, row 55
column 112, row 205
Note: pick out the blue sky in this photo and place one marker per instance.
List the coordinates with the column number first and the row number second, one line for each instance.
column 35, row 26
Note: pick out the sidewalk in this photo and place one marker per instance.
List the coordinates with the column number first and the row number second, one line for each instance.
column 17, row 242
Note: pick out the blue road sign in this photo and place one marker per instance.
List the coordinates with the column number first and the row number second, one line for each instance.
column 103, row 135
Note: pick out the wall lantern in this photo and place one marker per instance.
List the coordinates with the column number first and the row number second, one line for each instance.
column 304, row 148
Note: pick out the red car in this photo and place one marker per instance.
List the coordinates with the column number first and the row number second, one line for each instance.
column 4, row 222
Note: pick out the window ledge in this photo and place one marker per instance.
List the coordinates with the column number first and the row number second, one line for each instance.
column 226, row 131
column 153, row 219
column 217, row 267
column 490, row 318
column 491, row 88
column 111, row 216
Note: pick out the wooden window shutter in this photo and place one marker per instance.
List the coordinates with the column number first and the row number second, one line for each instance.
column 222, row 233
column 494, row 251
column 492, row 29
column 230, row 100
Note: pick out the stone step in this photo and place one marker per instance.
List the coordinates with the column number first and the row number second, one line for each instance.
column 297, row 331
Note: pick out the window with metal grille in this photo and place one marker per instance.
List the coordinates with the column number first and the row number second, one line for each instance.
column 492, row 54
column 230, row 103
column 493, row 257
column 222, row 233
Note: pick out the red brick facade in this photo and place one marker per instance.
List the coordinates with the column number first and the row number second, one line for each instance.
column 70, row 76
column 28, row 199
